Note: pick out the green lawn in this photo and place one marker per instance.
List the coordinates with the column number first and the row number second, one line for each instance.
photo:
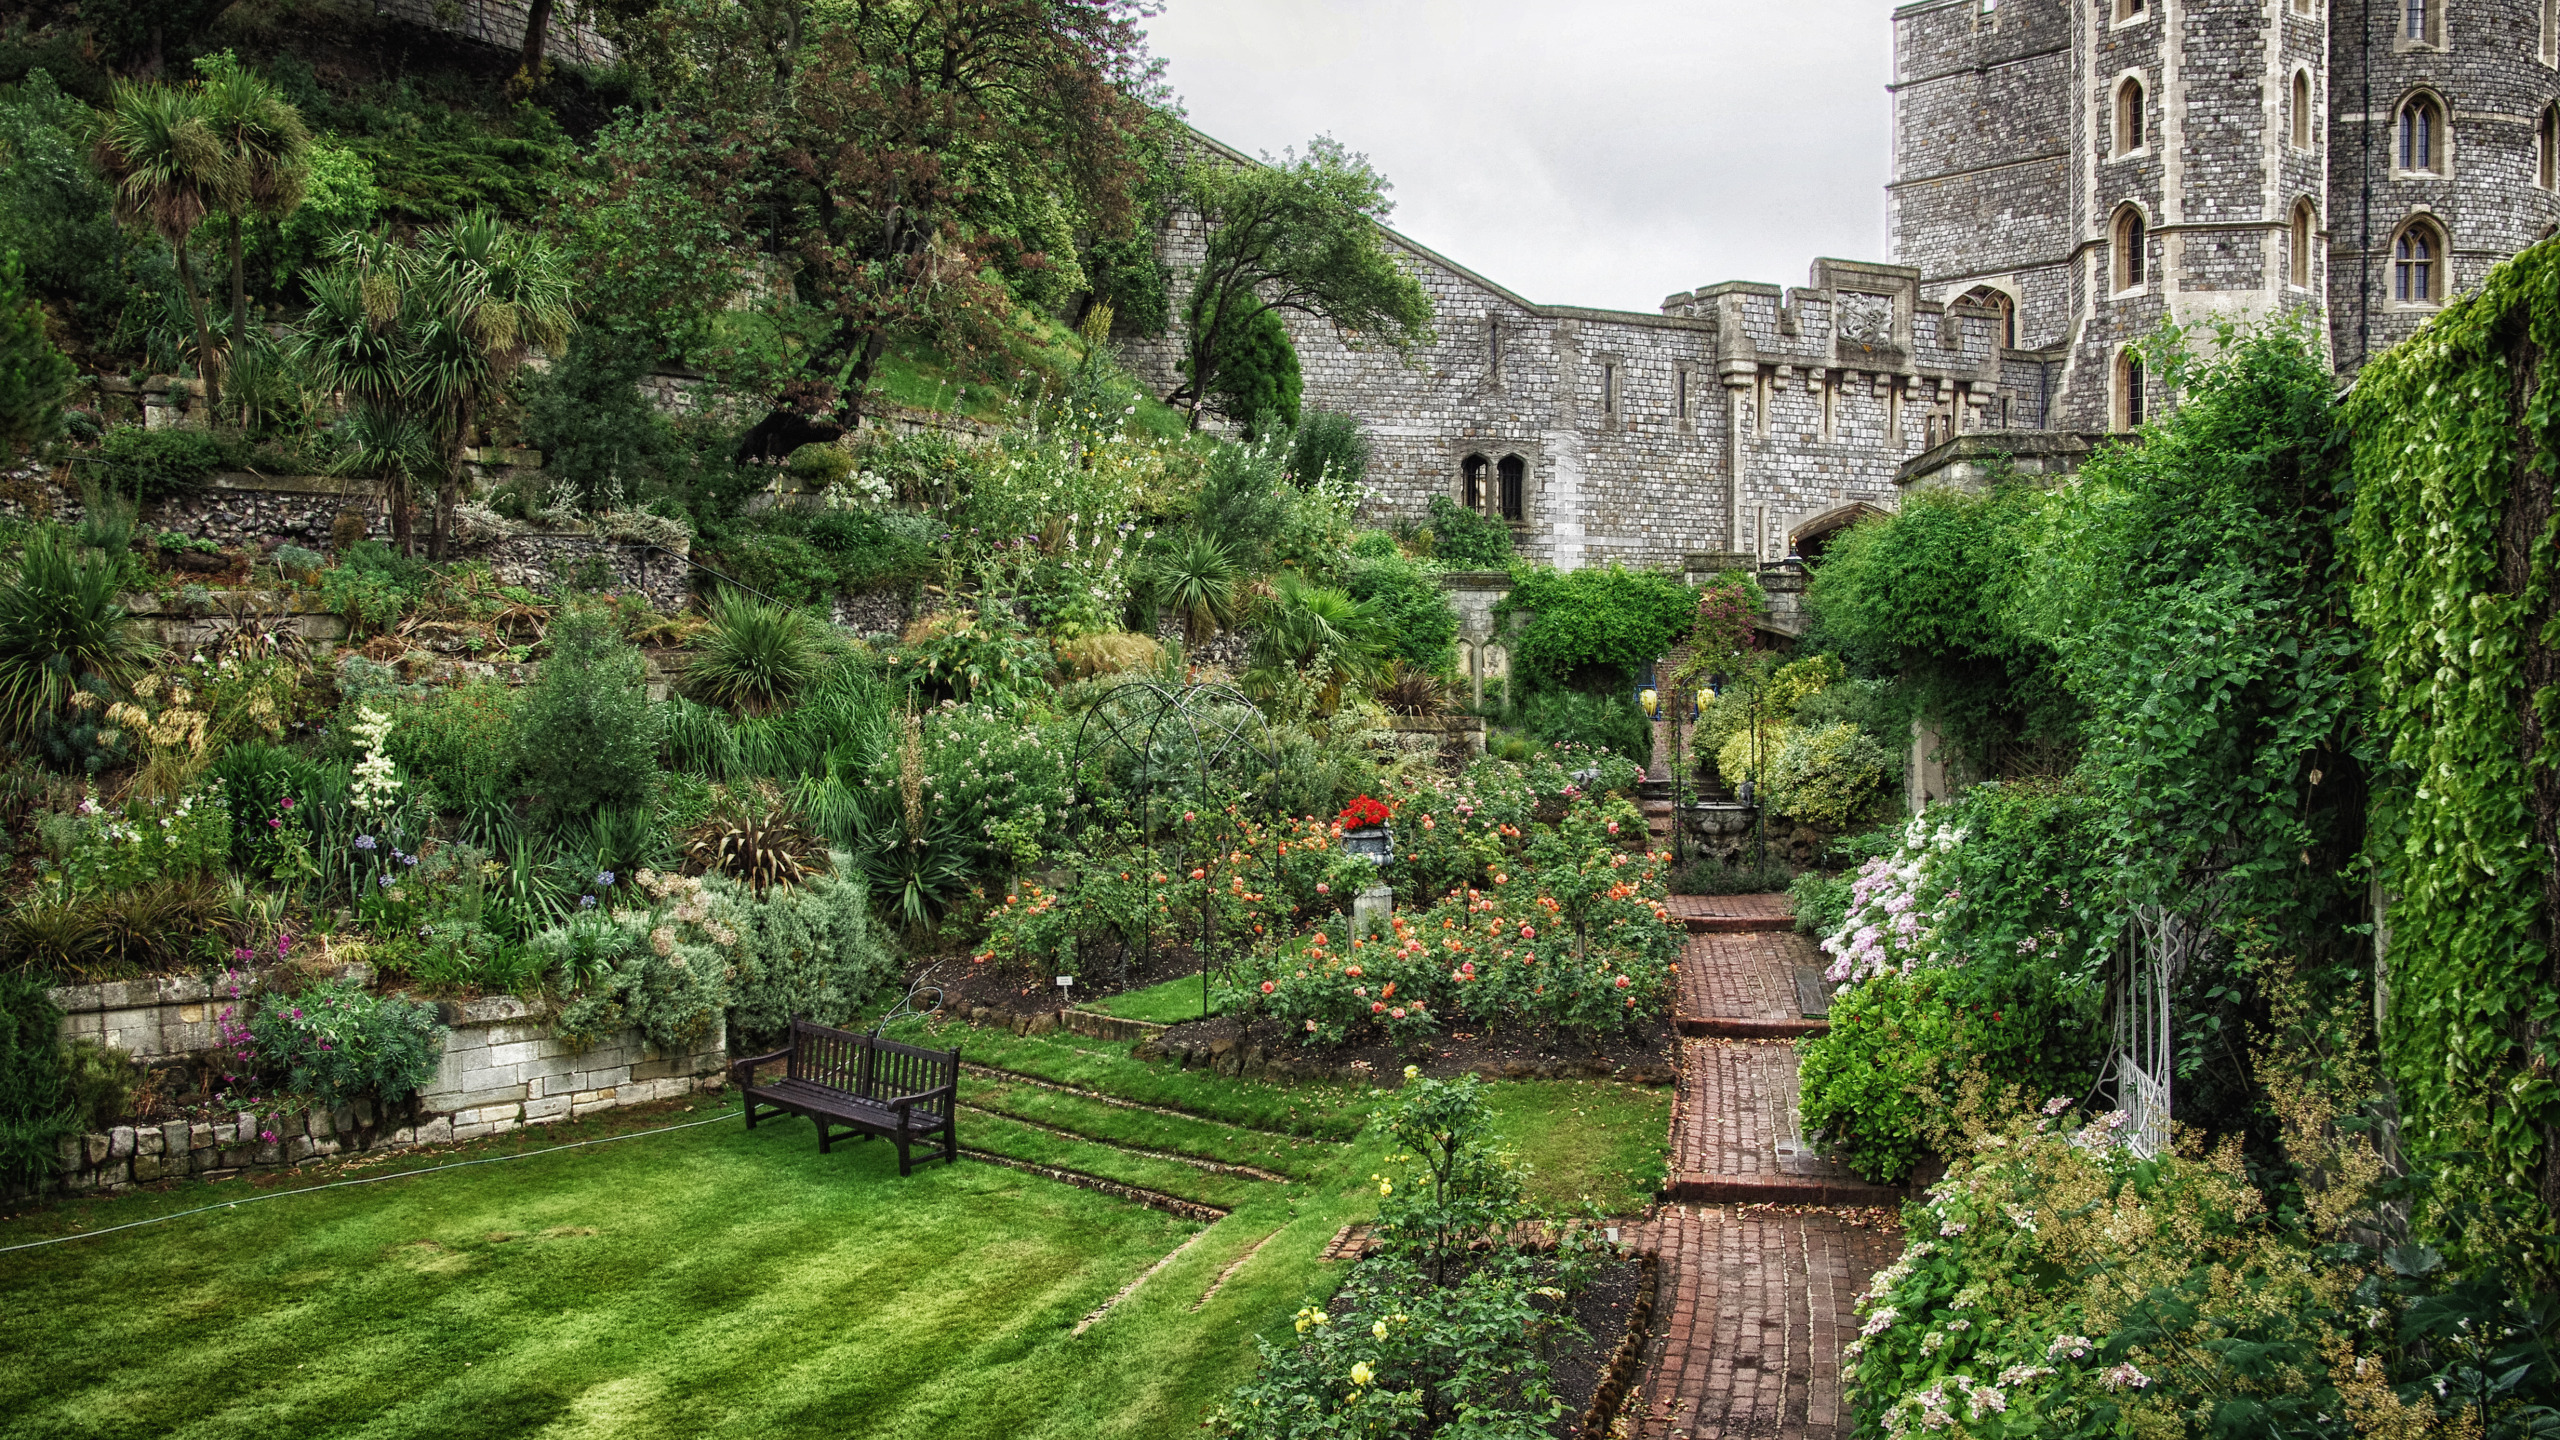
column 1170, row 1003
column 713, row 1282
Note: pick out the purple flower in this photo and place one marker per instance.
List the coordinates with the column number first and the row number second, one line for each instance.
column 586, row 902
column 605, row 879
column 364, row 842
column 284, row 944
column 275, row 824
column 383, row 880
column 297, row 1012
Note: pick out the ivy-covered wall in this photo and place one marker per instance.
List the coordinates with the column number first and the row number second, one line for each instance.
column 2453, row 543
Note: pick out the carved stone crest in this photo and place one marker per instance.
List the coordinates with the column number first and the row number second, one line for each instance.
column 1865, row 319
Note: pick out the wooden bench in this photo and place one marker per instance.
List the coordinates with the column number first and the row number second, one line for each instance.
column 866, row 1084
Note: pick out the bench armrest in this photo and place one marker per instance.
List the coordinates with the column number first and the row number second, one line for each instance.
column 948, row 1094
column 743, row 1070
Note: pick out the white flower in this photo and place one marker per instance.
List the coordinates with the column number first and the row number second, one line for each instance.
column 1986, row 1401
column 2073, row 1346
column 1879, row 1322
column 2124, row 1377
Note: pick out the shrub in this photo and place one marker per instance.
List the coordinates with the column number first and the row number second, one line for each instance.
column 456, row 737
column 1193, row 575
column 808, row 949
column 160, row 464
column 372, row 585
column 1444, row 1330
column 1705, row 876
column 660, row 967
column 756, row 657
column 1572, row 717
column 35, row 376
column 586, row 736
column 35, row 1105
column 1830, row 777
column 1329, row 443
column 61, row 629
column 1465, row 540
column 1596, row 628
column 1256, row 382
column 1416, row 622
column 776, row 564
column 260, row 783
column 336, row 1043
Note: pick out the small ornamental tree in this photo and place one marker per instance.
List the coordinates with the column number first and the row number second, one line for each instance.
column 34, row 375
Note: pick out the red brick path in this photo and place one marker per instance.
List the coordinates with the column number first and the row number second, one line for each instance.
column 1755, row 1306
column 1757, row 1300
column 1743, row 986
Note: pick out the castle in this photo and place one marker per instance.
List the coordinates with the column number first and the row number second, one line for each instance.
column 2067, row 175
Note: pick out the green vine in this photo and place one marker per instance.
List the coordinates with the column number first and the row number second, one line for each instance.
column 2454, row 460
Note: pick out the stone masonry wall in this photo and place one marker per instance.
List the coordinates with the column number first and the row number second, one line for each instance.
column 503, row 1068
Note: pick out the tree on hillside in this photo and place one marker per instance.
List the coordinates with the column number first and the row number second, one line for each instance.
column 421, row 337
column 269, row 150
column 34, row 376
column 886, row 171
column 1299, row 235
column 169, row 169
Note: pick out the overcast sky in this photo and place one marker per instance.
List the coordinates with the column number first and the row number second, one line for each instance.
column 1595, row 152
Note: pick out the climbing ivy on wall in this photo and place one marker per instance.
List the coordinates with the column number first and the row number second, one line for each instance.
column 2456, row 436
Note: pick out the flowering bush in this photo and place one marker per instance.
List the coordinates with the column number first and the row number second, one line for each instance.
column 659, row 963
column 1580, row 936
column 1959, row 954
column 1412, row 1344
column 335, row 1042
column 2057, row 1284
column 110, row 849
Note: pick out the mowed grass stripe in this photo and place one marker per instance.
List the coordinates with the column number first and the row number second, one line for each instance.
column 1147, row 1172
column 712, row 1282
column 1291, row 1156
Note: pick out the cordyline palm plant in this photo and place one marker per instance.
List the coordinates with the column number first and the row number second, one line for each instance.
column 422, row 336
column 1195, row 578
column 269, row 154
column 169, row 170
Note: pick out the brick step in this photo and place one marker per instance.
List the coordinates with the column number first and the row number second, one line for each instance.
column 1690, row 1188
column 1727, row 1027
column 1739, row 924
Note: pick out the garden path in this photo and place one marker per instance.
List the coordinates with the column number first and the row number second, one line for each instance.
column 1765, row 1244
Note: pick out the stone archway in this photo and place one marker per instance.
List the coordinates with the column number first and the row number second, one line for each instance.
column 1809, row 537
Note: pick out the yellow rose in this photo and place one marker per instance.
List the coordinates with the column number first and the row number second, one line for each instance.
column 1361, row 1374
column 1379, row 1330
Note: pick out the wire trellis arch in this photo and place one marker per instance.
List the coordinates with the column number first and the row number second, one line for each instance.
column 1168, row 733
column 2152, row 954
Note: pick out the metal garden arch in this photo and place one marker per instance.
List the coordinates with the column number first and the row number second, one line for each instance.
column 1166, row 735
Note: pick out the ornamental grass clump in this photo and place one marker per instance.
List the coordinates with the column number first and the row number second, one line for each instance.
column 756, row 657
column 61, row 628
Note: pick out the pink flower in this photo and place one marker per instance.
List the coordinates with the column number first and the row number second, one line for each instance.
column 1376, row 1005
column 1623, row 982
column 1311, row 1027
column 1613, row 827
column 1528, row 932
column 275, row 824
column 1323, row 889
column 1268, row 987
column 1396, row 1014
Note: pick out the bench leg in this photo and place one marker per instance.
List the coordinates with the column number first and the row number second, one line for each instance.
column 903, row 1167
column 751, row 1114
column 950, row 1138
column 826, row 1142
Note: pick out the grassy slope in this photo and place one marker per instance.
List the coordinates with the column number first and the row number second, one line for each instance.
column 1169, row 1003
column 715, row 1282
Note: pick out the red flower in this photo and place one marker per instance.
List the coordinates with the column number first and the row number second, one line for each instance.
column 1363, row 812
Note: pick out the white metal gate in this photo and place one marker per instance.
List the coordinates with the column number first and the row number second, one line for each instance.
column 2155, row 950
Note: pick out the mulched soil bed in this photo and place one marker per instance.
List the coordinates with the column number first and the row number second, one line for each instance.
column 1578, row 1368
column 1643, row 1055
column 967, row 984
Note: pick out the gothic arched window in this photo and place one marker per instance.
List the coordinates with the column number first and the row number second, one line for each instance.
column 1514, row 473
column 2132, row 244
column 2418, row 264
column 2546, row 147
column 2131, row 117
column 1471, row 472
column 2422, row 136
column 1987, row 298
column 2131, row 401
column 2301, row 109
column 2298, row 256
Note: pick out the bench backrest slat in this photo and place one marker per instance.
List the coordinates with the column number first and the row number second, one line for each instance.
column 865, row 1066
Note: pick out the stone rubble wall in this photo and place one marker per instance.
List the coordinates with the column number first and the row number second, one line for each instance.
column 504, row 1068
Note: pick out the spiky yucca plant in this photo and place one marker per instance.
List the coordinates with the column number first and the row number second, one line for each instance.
column 759, row 854
column 60, row 625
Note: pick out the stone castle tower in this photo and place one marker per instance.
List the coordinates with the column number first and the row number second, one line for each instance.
column 2089, row 168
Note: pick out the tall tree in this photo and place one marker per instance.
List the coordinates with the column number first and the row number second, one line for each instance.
column 269, row 150
column 170, row 170
column 1302, row 235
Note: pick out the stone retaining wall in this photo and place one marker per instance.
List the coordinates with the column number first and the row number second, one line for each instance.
column 504, row 1067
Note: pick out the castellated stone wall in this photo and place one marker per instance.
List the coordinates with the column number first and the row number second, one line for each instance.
column 1743, row 418
column 2493, row 71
